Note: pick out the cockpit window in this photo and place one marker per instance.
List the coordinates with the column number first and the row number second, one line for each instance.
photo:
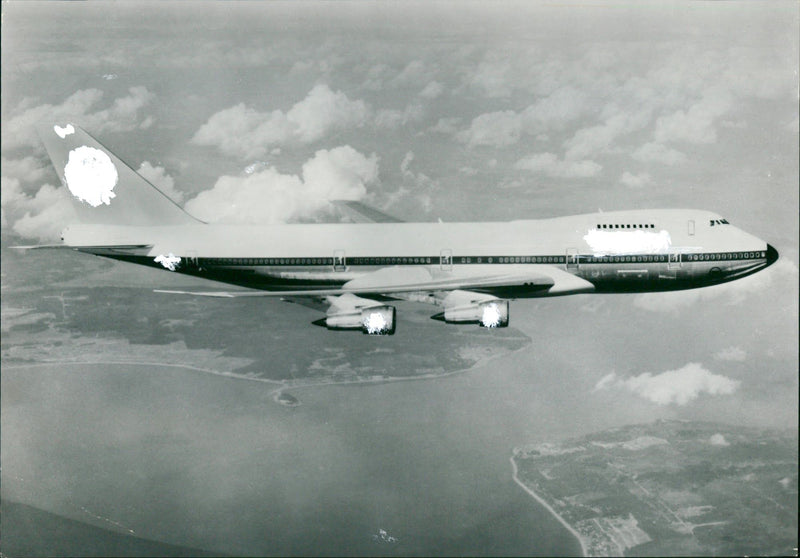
column 717, row 222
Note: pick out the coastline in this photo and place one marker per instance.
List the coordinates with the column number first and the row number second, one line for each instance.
column 547, row 506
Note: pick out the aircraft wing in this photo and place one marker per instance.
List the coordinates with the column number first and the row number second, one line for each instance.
column 363, row 213
column 399, row 279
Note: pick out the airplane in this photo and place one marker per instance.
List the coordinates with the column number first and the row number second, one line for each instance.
column 469, row 270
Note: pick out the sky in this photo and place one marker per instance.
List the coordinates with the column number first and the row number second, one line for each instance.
column 258, row 112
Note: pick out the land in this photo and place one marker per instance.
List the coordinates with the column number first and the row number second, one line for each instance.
column 670, row 488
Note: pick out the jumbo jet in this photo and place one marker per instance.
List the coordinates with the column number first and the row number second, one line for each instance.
column 354, row 270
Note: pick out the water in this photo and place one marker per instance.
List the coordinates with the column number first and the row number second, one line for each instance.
column 209, row 462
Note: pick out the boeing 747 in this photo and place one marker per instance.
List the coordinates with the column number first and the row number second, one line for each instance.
column 470, row 270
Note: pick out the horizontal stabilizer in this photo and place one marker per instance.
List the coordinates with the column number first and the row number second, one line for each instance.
column 42, row 247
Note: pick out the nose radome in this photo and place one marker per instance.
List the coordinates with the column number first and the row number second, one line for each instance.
column 772, row 255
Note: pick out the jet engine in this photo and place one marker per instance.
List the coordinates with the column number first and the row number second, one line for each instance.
column 352, row 312
column 466, row 307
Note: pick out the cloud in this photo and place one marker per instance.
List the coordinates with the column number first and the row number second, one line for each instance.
column 677, row 387
column 658, row 153
column 267, row 196
column 432, row 90
column 491, row 77
column 696, row 125
column 496, row 129
column 392, row 118
column 416, row 72
column 551, row 165
column 446, row 126
column 41, row 216
column 636, row 180
column 718, row 440
column 598, row 139
column 247, row 133
column 122, row 115
column 503, row 128
column 28, row 169
column 557, row 110
column 736, row 354
column 158, row 177
column 420, row 179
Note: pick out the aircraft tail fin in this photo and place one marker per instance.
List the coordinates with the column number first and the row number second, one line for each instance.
column 105, row 190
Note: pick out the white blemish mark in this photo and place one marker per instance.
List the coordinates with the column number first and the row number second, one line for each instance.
column 376, row 323
column 718, row 440
column 170, row 261
column 491, row 316
column 91, row 175
column 65, row 131
column 614, row 243
column 384, row 536
column 109, row 77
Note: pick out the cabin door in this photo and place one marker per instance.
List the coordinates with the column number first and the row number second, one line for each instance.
column 446, row 259
column 572, row 259
column 339, row 260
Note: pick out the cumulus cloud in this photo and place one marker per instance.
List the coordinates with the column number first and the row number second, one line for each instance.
column 636, row 180
column 419, row 178
column 658, row 153
column 267, row 196
column 245, row 132
column 598, row 139
column 736, row 354
column 432, row 90
column 496, row 129
column 42, row 216
column 677, row 387
column 553, row 112
column 695, row 125
column 491, row 77
column 415, row 72
column 158, row 177
column 122, row 115
column 27, row 169
column 393, row 118
column 556, row 111
column 551, row 165
column 446, row 126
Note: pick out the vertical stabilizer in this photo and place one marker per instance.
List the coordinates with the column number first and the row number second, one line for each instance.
column 104, row 189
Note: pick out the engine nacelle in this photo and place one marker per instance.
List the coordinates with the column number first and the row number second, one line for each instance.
column 489, row 313
column 374, row 320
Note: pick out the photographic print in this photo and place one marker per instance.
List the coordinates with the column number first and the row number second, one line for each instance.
column 399, row 278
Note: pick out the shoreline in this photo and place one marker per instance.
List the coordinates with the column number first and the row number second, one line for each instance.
column 547, row 506
column 284, row 384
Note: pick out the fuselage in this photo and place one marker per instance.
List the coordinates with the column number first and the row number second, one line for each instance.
column 622, row 251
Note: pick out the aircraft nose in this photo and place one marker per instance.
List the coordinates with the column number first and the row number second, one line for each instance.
column 772, row 255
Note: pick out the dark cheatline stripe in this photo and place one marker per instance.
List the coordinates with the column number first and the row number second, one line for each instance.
column 467, row 260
